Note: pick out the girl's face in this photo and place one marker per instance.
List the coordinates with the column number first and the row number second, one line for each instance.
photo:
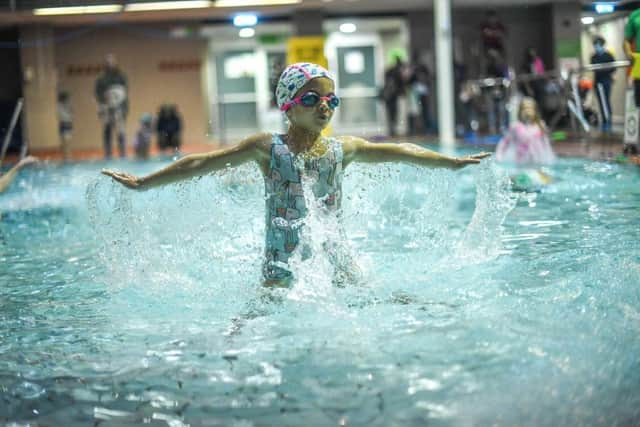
column 313, row 118
column 528, row 111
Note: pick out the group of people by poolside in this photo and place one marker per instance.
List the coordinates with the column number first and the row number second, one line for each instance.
column 112, row 96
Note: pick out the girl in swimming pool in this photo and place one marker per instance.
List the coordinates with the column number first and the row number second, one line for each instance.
column 306, row 94
column 526, row 145
column 527, row 141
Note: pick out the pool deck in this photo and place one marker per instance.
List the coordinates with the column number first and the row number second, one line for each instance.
column 595, row 147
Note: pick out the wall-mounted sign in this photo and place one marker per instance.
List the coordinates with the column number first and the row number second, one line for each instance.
column 81, row 70
column 306, row 49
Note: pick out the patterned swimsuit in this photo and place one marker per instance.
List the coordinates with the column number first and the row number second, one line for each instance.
column 285, row 203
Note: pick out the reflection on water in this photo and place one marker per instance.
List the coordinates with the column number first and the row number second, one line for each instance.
column 475, row 305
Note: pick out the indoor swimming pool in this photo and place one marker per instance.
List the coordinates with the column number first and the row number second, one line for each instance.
column 475, row 305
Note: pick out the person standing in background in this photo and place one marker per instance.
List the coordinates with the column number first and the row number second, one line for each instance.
column 169, row 128
column 492, row 32
column 631, row 45
column 603, row 80
column 419, row 80
column 65, row 124
column 496, row 95
column 533, row 67
column 393, row 89
column 142, row 143
column 111, row 92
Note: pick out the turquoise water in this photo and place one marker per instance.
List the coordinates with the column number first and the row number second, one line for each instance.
column 475, row 305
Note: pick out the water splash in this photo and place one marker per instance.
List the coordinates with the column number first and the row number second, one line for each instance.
column 481, row 240
column 201, row 239
column 184, row 235
column 325, row 258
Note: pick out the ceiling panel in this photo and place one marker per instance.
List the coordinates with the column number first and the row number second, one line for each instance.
column 18, row 11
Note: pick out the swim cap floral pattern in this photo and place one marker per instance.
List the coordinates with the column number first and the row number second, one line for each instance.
column 294, row 77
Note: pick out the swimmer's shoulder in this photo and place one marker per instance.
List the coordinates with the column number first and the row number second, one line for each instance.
column 351, row 143
column 350, row 146
column 259, row 143
column 258, row 148
column 260, row 140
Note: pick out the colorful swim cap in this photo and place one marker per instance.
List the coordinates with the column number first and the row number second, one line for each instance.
column 294, row 77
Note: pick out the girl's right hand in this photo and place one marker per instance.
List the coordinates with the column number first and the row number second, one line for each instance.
column 126, row 179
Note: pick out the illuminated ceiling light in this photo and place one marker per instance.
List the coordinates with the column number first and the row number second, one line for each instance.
column 605, row 7
column 167, row 5
column 348, row 27
column 245, row 33
column 587, row 20
column 242, row 3
column 245, row 20
column 78, row 10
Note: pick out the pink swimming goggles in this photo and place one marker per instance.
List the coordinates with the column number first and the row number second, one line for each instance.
column 311, row 99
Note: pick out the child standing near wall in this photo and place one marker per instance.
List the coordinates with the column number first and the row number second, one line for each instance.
column 65, row 124
column 142, row 143
column 169, row 127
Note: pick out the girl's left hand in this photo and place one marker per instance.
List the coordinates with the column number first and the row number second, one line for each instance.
column 471, row 159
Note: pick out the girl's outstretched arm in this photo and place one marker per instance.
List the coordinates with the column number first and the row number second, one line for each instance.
column 360, row 150
column 7, row 178
column 253, row 148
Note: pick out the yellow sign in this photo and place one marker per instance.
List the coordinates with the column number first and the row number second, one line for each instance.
column 306, row 49
column 635, row 69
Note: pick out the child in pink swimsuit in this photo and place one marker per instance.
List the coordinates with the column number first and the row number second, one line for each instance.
column 526, row 142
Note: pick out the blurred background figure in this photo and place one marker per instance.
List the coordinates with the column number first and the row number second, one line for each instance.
column 169, row 128
column 111, row 92
column 526, row 145
column 468, row 98
column 418, row 88
column 533, row 64
column 459, row 78
column 65, row 123
column 497, row 116
column 142, row 144
column 603, row 81
column 492, row 33
column 631, row 47
column 393, row 89
column 527, row 140
column 533, row 67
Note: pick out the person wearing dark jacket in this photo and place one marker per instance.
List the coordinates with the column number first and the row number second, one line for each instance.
column 169, row 127
column 113, row 104
column 394, row 88
column 603, row 80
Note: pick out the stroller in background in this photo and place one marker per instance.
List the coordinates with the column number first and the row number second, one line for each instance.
column 563, row 100
column 586, row 94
